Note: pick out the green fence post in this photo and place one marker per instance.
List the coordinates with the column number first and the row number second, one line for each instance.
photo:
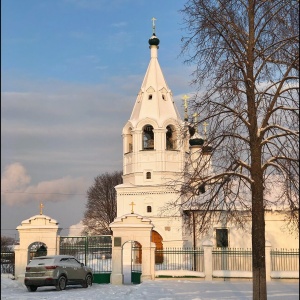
column 86, row 250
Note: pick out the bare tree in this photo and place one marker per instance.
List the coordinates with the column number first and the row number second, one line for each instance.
column 7, row 243
column 101, row 207
column 246, row 54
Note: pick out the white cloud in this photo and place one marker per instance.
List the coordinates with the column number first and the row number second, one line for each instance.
column 14, row 178
column 120, row 24
column 16, row 188
column 75, row 230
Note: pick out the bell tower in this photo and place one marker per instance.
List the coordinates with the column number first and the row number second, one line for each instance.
column 153, row 152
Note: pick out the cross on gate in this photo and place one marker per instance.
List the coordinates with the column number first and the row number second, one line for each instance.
column 41, row 208
column 132, row 203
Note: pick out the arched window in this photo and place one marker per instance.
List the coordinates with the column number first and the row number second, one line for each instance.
column 148, row 137
column 148, row 175
column 170, row 138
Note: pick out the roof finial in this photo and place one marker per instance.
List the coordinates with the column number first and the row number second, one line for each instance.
column 205, row 124
column 185, row 98
column 195, row 115
column 41, row 208
column 153, row 25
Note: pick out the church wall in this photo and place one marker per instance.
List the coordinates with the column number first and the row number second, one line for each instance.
column 158, row 162
column 277, row 233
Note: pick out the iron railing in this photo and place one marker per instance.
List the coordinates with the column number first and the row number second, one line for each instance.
column 232, row 259
column 285, row 260
column 180, row 259
column 94, row 251
column 8, row 263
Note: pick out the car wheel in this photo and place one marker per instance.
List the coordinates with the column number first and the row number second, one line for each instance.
column 61, row 284
column 88, row 281
column 31, row 288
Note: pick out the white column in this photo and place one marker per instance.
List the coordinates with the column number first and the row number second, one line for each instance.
column 268, row 260
column 116, row 276
column 207, row 247
column 146, row 261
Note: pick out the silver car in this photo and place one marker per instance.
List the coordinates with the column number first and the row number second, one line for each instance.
column 58, row 271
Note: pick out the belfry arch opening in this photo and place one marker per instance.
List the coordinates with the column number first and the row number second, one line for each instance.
column 171, row 137
column 128, row 141
column 148, row 137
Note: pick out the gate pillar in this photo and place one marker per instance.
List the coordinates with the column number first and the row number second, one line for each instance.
column 148, row 266
column 132, row 227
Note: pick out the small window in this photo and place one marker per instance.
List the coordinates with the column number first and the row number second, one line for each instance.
column 149, row 209
column 222, row 237
column 148, row 175
column 150, row 97
column 163, row 96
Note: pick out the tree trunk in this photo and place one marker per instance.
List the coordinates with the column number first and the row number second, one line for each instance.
column 258, row 231
column 258, row 245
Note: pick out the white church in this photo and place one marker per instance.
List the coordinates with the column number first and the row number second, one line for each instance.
column 155, row 152
column 154, row 155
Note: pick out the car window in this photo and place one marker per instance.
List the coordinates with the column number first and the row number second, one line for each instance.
column 41, row 262
column 64, row 259
column 75, row 262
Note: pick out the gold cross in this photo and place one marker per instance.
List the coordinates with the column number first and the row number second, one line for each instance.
column 195, row 115
column 132, row 203
column 153, row 24
column 184, row 98
column 41, row 208
column 205, row 125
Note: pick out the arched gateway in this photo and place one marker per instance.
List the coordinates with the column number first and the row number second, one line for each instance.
column 132, row 227
column 38, row 236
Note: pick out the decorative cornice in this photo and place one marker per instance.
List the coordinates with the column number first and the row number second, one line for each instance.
column 147, row 193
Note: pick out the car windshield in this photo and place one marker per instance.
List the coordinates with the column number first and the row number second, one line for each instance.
column 42, row 262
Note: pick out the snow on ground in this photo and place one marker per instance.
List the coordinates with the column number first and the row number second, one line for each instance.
column 159, row 289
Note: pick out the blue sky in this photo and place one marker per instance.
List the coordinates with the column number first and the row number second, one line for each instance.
column 70, row 73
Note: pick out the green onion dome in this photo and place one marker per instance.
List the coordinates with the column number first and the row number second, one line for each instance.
column 153, row 40
column 196, row 140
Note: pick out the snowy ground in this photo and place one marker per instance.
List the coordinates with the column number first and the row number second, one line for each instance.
column 160, row 289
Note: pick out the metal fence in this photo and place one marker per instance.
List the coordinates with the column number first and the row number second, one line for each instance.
column 285, row 260
column 232, row 259
column 180, row 259
column 94, row 251
column 8, row 263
